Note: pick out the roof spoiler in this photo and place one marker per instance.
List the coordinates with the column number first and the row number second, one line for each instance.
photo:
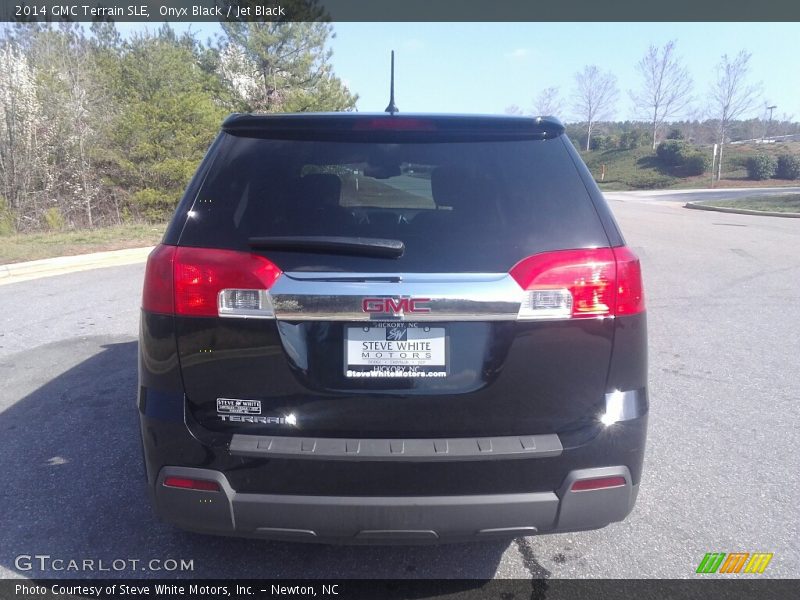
column 368, row 126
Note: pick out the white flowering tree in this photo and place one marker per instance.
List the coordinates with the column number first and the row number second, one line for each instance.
column 23, row 137
column 74, row 106
column 239, row 73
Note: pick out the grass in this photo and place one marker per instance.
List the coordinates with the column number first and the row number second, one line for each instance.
column 32, row 246
column 640, row 169
column 628, row 169
column 774, row 203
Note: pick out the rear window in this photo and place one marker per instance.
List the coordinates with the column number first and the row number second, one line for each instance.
column 457, row 206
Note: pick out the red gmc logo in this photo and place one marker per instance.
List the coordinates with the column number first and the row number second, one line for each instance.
column 396, row 306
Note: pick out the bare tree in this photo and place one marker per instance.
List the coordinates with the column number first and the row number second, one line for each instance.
column 548, row 103
column 513, row 109
column 785, row 124
column 665, row 88
column 594, row 97
column 731, row 95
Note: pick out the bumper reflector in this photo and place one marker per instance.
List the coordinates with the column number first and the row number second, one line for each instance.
column 600, row 483
column 192, row 484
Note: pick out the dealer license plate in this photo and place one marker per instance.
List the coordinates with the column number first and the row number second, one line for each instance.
column 395, row 350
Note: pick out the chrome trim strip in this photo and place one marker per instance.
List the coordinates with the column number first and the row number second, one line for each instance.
column 328, row 276
column 305, row 296
column 487, row 448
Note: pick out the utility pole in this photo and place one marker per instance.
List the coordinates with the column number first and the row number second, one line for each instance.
column 770, row 109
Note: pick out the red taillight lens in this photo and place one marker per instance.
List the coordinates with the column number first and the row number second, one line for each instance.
column 630, row 292
column 394, row 124
column 588, row 276
column 157, row 291
column 600, row 483
column 188, row 281
column 201, row 273
column 191, row 484
column 595, row 282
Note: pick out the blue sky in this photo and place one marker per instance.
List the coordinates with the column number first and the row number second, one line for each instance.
column 484, row 67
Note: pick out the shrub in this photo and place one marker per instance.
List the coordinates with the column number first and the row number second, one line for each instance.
column 650, row 182
column 736, row 162
column 154, row 205
column 788, row 167
column 126, row 215
column 678, row 153
column 671, row 151
column 696, row 163
column 603, row 142
column 675, row 134
column 54, row 219
column 578, row 140
column 761, row 166
column 633, row 138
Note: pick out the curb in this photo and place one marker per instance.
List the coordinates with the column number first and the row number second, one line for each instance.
column 46, row 267
column 767, row 191
column 742, row 211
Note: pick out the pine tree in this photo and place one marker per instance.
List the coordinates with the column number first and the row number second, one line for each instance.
column 282, row 67
column 169, row 118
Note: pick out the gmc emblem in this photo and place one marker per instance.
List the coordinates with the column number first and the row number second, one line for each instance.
column 396, row 306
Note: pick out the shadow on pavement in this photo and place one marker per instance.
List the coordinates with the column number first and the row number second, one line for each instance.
column 73, row 488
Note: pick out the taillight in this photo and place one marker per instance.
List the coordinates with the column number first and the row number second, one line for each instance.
column 630, row 293
column 211, row 282
column 596, row 282
column 207, row 282
column 157, row 294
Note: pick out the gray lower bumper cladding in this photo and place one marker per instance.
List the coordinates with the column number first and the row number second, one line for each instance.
column 485, row 448
column 387, row 520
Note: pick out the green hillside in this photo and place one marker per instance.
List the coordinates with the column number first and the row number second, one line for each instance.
column 641, row 169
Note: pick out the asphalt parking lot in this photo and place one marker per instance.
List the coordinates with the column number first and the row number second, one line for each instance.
column 721, row 472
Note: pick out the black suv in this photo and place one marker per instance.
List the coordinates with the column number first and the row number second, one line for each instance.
column 379, row 328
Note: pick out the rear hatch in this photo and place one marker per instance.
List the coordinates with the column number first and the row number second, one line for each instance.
column 376, row 276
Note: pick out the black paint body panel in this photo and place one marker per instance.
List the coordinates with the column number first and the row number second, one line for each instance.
column 505, row 378
column 173, row 436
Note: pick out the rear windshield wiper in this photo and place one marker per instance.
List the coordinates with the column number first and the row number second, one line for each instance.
column 357, row 246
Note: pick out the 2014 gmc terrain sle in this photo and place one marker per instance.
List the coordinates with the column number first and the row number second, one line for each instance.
column 375, row 328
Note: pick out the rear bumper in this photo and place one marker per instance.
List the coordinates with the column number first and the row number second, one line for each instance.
column 387, row 520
